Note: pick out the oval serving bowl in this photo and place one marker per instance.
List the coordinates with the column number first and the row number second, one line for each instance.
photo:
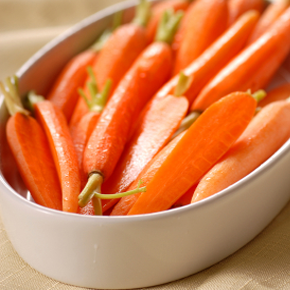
column 137, row 251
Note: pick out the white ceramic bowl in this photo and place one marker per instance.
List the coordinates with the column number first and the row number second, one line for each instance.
column 136, row 251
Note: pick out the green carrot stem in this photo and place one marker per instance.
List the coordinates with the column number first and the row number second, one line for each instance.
column 94, row 184
column 97, row 100
column 168, row 25
column 12, row 100
column 143, row 13
column 183, row 84
column 259, row 95
column 117, row 20
column 186, row 122
column 97, row 203
column 121, row 194
column 32, row 99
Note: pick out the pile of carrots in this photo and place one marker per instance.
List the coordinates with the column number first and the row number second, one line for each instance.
column 160, row 112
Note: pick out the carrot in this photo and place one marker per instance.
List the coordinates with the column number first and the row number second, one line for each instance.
column 212, row 59
column 186, row 198
column 126, row 203
column 267, row 132
column 107, row 141
column 160, row 122
column 206, row 141
column 61, row 145
column 238, row 7
column 207, row 21
column 157, row 11
column 64, row 90
column 30, row 149
column 253, row 67
column 270, row 15
column 280, row 93
column 117, row 56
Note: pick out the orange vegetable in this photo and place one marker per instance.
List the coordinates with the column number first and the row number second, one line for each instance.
column 64, row 90
column 126, row 202
column 214, row 58
column 253, row 68
column 186, row 198
column 207, row 21
column 270, row 15
column 65, row 158
column 107, row 141
column 204, row 143
column 238, row 7
column 267, row 132
column 30, row 149
column 159, row 124
column 157, row 11
column 116, row 57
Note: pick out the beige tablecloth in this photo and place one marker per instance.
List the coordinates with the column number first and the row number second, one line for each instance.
column 264, row 263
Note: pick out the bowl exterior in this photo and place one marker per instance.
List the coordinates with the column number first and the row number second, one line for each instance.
column 138, row 251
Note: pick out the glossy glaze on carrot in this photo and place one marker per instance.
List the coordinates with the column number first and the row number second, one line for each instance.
column 63, row 152
column 206, row 141
column 253, row 68
column 267, row 132
column 207, row 21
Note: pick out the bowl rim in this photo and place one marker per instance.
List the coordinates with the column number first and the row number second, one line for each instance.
column 7, row 189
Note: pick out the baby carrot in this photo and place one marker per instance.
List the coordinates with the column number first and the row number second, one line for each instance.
column 63, row 152
column 206, row 141
column 64, row 90
column 207, row 21
column 157, row 11
column 214, row 58
column 117, row 56
column 30, row 149
column 253, row 67
column 126, row 203
column 277, row 94
column 238, row 7
column 270, row 15
column 107, row 141
column 160, row 122
column 266, row 133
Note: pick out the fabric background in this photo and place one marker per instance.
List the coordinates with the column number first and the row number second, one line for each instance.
column 264, row 263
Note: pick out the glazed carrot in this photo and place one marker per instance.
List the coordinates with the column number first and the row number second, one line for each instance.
column 253, row 68
column 64, row 90
column 270, row 15
column 206, row 141
column 212, row 59
column 280, row 93
column 107, row 141
column 117, row 56
column 126, row 203
column 267, row 132
column 65, row 158
column 156, row 14
column 238, row 7
column 30, row 149
column 207, row 21
column 160, row 122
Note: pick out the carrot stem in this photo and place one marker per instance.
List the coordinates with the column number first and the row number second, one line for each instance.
column 32, row 99
column 94, row 184
column 259, row 95
column 186, row 123
column 13, row 105
column 183, row 84
column 143, row 13
column 97, row 100
column 168, row 26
